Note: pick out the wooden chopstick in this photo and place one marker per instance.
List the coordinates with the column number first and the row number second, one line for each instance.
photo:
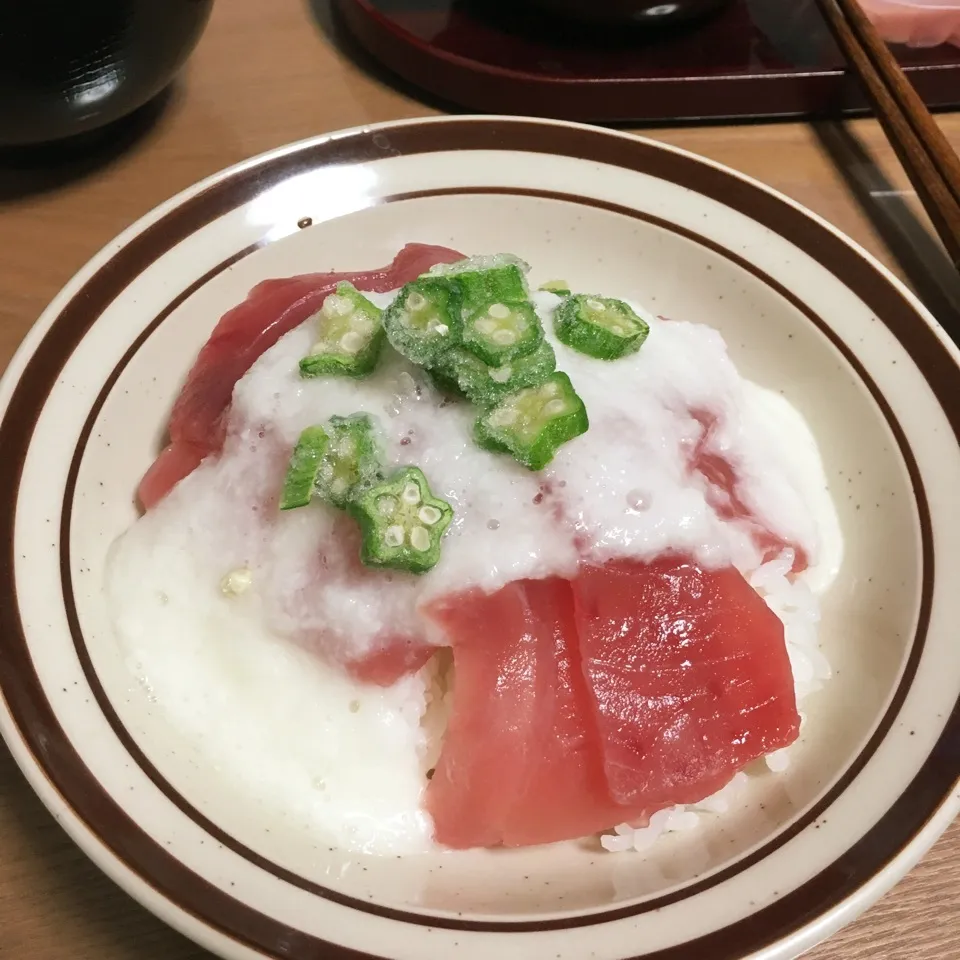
column 924, row 152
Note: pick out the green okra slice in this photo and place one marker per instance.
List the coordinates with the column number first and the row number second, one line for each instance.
column 501, row 331
column 599, row 326
column 560, row 287
column 533, row 423
column 443, row 380
column 401, row 522
column 300, row 481
column 349, row 336
column 485, row 385
column 486, row 279
column 425, row 320
column 496, row 284
column 351, row 461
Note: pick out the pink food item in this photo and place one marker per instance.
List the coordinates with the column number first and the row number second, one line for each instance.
column 520, row 762
column 582, row 704
column 688, row 674
column 272, row 308
column 917, row 23
column 723, row 494
column 397, row 657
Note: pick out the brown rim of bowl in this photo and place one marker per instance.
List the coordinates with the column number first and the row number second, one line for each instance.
column 50, row 748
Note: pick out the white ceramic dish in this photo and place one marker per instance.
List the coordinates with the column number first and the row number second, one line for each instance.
column 84, row 406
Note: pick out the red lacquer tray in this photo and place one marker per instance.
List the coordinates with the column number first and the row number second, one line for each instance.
column 751, row 58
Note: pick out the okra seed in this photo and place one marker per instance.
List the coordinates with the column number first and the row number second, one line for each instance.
column 618, row 330
column 554, row 407
column 336, row 306
column 442, row 329
column 351, row 342
column 596, row 305
column 499, row 311
column 550, row 389
column 486, row 326
column 362, row 324
column 416, row 301
column 504, row 417
column 411, row 493
column 419, row 539
column 339, row 486
column 393, row 536
column 504, row 338
column 429, row 515
column 387, row 506
column 501, row 374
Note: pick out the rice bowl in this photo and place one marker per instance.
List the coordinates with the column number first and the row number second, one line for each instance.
column 770, row 850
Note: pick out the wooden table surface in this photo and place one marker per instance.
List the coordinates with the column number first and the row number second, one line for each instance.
column 271, row 71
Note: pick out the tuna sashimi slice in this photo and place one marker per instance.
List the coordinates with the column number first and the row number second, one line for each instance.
column 521, row 762
column 724, row 495
column 396, row 658
column 688, row 674
column 272, row 308
column 565, row 792
column 494, row 729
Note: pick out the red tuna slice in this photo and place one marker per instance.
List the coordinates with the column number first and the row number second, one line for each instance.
column 398, row 657
column 565, row 795
column 176, row 461
column 272, row 308
column 724, row 497
column 493, row 733
column 521, row 761
column 688, row 673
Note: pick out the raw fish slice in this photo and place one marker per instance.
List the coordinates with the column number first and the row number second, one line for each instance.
column 494, row 731
column 176, row 461
column 397, row 657
column 724, row 497
column 272, row 308
column 688, row 674
column 565, row 794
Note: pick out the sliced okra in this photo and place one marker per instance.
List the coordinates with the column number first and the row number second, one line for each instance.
column 498, row 284
column 485, row 385
column 533, row 423
column 560, row 287
column 351, row 461
column 502, row 331
column 424, row 321
column 349, row 336
column 401, row 522
column 299, row 483
column 487, row 279
column 599, row 326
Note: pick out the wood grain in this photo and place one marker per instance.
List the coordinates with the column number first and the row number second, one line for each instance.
column 264, row 74
column 924, row 152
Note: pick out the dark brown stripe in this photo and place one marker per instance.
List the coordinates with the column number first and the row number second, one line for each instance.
column 21, row 686
column 281, row 873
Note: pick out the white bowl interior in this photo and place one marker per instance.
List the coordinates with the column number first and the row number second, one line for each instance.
column 869, row 615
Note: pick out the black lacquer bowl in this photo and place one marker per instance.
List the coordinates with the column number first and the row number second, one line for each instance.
column 71, row 66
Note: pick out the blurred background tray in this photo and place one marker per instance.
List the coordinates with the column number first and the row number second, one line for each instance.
column 750, row 59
